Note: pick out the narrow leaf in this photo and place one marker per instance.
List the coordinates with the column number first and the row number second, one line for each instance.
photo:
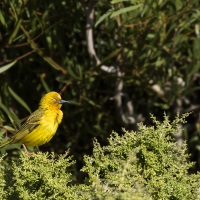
column 109, row 12
column 91, row 102
column 124, row 10
column 13, row 35
column 6, row 67
column 71, row 72
column 118, row 1
column 2, row 20
column 5, row 109
column 19, row 99
column 49, row 60
column 111, row 55
column 46, row 87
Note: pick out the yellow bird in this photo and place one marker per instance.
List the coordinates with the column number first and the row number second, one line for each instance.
column 42, row 124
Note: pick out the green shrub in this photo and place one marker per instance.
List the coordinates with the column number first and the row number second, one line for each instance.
column 40, row 176
column 146, row 164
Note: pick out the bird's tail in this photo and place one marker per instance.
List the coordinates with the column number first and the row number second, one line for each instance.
column 5, row 143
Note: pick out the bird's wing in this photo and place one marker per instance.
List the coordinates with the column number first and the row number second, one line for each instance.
column 32, row 122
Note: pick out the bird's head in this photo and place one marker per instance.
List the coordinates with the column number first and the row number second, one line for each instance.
column 52, row 100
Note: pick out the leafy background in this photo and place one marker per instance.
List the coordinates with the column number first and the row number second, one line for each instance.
column 116, row 61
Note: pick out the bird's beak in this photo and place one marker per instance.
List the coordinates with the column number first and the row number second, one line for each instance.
column 62, row 101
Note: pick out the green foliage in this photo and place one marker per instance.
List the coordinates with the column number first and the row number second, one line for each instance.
column 40, row 176
column 146, row 164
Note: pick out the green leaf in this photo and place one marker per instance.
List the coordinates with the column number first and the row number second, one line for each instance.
column 49, row 60
column 17, row 122
column 46, row 87
column 9, row 128
column 125, row 10
column 91, row 102
column 2, row 20
column 5, row 109
column 111, row 55
column 6, row 67
column 71, row 72
column 118, row 1
column 13, row 35
column 198, row 147
column 109, row 12
column 178, row 4
column 19, row 99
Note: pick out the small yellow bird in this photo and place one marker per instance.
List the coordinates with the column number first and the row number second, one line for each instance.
column 42, row 124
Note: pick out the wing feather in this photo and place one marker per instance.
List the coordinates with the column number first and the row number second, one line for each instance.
column 32, row 122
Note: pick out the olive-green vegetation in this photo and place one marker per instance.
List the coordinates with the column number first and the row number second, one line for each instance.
column 146, row 164
column 116, row 62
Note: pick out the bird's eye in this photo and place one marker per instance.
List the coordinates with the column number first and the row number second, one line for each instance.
column 54, row 99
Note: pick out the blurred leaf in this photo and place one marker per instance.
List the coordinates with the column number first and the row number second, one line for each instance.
column 8, row 66
column 46, row 87
column 2, row 132
column 79, row 71
column 14, row 10
column 198, row 147
column 16, row 120
column 6, row 129
column 72, row 73
column 9, row 115
column 194, row 139
column 119, row 1
column 91, row 102
column 162, row 105
column 196, row 48
column 9, row 128
column 2, row 20
column 53, row 63
column 125, row 10
column 111, row 55
column 14, row 34
column 104, row 16
column 19, row 100
column 178, row 4
column 75, row 103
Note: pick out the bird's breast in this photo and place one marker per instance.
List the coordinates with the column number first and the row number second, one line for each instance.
column 45, row 130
